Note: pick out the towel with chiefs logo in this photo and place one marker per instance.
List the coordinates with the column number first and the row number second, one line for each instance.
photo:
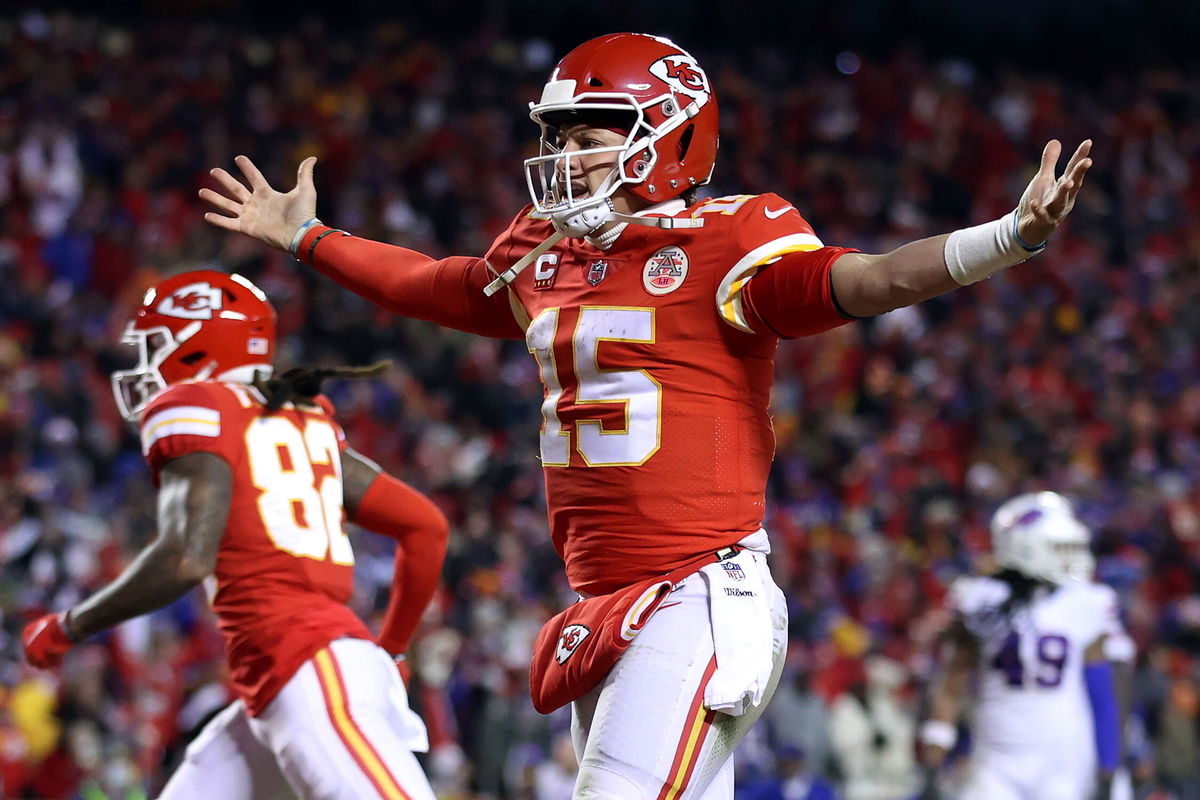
column 578, row 646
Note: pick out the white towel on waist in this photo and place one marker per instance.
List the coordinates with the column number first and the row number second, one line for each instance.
column 740, row 611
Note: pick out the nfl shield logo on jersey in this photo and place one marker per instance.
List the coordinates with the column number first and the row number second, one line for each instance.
column 596, row 272
column 734, row 571
column 570, row 638
column 665, row 271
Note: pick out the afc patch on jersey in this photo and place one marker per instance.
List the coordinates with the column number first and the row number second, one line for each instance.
column 665, row 271
column 569, row 640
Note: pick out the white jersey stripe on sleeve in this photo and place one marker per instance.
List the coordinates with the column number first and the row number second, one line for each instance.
column 190, row 420
column 729, row 293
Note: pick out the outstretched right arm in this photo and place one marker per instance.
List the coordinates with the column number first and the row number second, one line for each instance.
column 447, row 292
column 193, row 506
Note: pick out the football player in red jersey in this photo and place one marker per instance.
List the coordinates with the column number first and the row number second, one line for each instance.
column 254, row 482
column 654, row 319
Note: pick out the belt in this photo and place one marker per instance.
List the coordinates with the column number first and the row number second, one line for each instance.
column 726, row 553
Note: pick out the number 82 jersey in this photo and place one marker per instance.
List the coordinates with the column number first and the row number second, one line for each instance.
column 285, row 566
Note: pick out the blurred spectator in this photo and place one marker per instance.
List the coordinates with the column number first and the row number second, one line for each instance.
column 873, row 735
column 793, row 779
column 1178, row 741
column 798, row 721
column 555, row 779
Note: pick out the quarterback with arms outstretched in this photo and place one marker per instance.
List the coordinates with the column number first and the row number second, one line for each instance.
column 254, row 481
column 653, row 318
column 1037, row 640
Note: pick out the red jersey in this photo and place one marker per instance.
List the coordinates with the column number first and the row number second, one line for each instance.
column 657, row 357
column 285, row 567
column 656, row 440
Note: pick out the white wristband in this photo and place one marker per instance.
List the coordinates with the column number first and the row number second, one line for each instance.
column 299, row 237
column 973, row 254
column 938, row 733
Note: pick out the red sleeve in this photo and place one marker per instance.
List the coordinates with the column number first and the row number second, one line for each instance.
column 395, row 509
column 778, row 270
column 794, row 296
column 447, row 292
column 187, row 418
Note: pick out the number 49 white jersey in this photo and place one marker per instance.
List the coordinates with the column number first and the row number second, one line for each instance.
column 1031, row 692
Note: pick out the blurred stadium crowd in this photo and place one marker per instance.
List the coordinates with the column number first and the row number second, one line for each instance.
column 896, row 436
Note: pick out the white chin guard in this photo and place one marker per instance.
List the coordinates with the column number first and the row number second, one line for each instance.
column 576, row 222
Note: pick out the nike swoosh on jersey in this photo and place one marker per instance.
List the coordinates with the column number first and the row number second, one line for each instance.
column 776, row 214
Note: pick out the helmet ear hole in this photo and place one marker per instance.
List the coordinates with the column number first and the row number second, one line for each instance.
column 685, row 141
column 193, row 358
column 594, row 81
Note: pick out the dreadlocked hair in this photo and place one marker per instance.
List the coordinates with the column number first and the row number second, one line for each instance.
column 302, row 384
column 1022, row 588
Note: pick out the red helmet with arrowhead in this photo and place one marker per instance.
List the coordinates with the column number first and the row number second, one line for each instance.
column 644, row 85
column 193, row 326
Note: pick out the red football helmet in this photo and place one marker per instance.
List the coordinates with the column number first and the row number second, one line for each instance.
column 193, row 326
column 629, row 81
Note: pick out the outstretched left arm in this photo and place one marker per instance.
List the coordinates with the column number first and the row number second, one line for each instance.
column 873, row 284
column 380, row 503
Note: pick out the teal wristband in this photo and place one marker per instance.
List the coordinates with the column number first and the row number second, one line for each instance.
column 299, row 237
column 1029, row 248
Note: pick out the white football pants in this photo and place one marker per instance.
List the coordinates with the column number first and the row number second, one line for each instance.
column 340, row 729
column 644, row 733
column 1046, row 775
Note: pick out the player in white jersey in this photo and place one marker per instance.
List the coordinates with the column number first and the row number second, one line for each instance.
column 1034, row 645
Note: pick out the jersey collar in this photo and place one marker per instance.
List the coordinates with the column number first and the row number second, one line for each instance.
column 667, row 208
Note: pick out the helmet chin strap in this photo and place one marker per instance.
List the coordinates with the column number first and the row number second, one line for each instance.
column 578, row 222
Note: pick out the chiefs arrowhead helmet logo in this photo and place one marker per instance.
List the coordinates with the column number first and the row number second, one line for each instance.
column 683, row 74
column 194, row 301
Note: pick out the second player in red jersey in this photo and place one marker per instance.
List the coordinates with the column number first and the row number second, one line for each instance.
column 255, row 483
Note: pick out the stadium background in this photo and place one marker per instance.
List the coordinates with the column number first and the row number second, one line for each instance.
column 897, row 436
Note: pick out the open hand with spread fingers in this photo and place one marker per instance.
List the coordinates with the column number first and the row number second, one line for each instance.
column 256, row 209
column 1048, row 200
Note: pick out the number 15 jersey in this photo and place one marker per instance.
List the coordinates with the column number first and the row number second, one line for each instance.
column 656, row 438
column 285, row 567
column 656, row 356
